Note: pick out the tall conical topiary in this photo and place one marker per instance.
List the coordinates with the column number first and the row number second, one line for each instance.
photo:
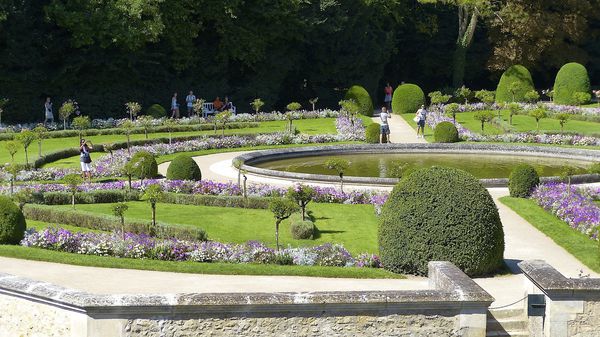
column 514, row 84
column 407, row 98
column 571, row 78
column 361, row 96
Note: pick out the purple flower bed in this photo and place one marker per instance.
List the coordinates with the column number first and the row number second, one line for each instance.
column 571, row 205
column 145, row 247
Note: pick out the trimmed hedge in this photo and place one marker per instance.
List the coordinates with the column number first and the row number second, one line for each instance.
column 445, row 132
column 145, row 165
column 110, row 223
column 361, row 96
column 302, row 230
column 571, row 78
column 216, row 200
column 183, row 167
column 156, row 111
column 92, row 197
column 372, row 133
column 516, row 73
column 441, row 214
column 12, row 222
column 522, row 180
column 407, row 98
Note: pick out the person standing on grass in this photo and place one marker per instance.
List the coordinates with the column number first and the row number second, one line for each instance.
column 388, row 96
column 421, row 116
column 48, row 115
column 385, row 127
column 85, row 159
column 189, row 100
column 174, row 106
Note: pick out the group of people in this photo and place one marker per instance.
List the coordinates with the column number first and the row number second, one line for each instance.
column 189, row 103
column 49, row 112
column 384, row 115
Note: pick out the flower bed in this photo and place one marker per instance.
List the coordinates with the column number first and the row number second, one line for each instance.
column 570, row 204
column 146, row 247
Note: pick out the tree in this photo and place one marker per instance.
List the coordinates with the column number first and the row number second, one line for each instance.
column 198, row 106
column 133, row 108
column 256, row 104
column 513, row 88
column 581, row 98
column 146, row 123
column 3, row 102
column 153, row 194
column 170, row 124
column 562, row 118
column 13, row 169
column 538, row 113
column 81, row 124
column 313, row 102
column 565, row 175
column 532, row 96
column 302, row 195
column 26, row 137
column 437, row 98
column 485, row 96
column 119, row 210
column 463, row 93
column 292, row 108
column 281, row 209
column 549, row 93
column 339, row 166
column 40, row 134
column 222, row 118
column 66, row 110
column 452, row 109
column 12, row 147
column 513, row 109
column 73, row 181
column 128, row 126
column 128, row 170
column 23, row 196
column 350, row 107
column 484, row 116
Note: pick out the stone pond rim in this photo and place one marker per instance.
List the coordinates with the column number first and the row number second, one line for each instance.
column 249, row 159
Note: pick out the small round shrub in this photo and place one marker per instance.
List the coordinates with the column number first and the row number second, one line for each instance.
column 522, row 180
column 183, row 168
column 156, row 111
column 571, row 78
column 372, row 133
column 12, row 222
column 144, row 165
column 440, row 214
column 361, row 96
column 445, row 132
column 519, row 74
column 303, row 230
column 407, row 98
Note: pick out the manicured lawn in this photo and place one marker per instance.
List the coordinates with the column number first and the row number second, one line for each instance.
column 354, row 226
column 40, row 225
column 579, row 245
column 191, row 267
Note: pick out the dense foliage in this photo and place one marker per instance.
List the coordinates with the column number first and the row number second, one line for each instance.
column 302, row 229
column 361, row 96
column 571, row 79
column 156, row 111
column 445, row 132
column 522, row 181
column 144, row 165
column 428, row 218
column 183, row 167
column 515, row 82
column 12, row 222
column 407, row 98
column 372, row 133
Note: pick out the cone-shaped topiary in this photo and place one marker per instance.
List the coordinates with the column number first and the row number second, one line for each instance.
column 372, row 133
column 156, row 111
column 12, row 222
column 440, row 214
column 407, row 98
column 522, row 180
column 144, row 165
column 184, row 168
column 445, row 132
column 514, row 84
column 571, row 78
column 361, row 96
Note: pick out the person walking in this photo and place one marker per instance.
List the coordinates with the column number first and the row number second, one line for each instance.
column 48, row 115
column 174, row 106
column 385, row 127
column 85, row 159
column 189, row 100
column 388, row 90
column 421, row 117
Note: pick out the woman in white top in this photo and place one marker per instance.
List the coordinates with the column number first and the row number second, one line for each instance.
column 48, row 115
column 174, row 106
column 422, row 116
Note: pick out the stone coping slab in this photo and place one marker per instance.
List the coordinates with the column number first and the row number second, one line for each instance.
column 246, row 161
column 555, row 284
column 451, row 288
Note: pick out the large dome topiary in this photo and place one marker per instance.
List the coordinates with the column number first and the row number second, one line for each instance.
column 407, row 98
column 156, row 111
column 184, row 168
column 361, row 96
column 12, row 222
column 571, row 78
column 372, row 133
column 145, row 165
column 519, row 74
column 445, row 132
column 522, row 180
column 440, row 214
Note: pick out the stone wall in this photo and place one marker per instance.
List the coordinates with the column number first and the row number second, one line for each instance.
column 586, row 323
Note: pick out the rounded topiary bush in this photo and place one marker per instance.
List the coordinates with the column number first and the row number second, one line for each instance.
column 571, row 78
column 440, row 214
column 144, row 165
column 372, row 133
column 156, row 111
column 302, row 230
column 12, row 222
column 522, row 180
column 184, row 168
column 361, row 96
column 445, row 132
column 519, row 74
column 407, row 98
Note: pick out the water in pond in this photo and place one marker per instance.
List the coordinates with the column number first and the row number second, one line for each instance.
column 385, row 165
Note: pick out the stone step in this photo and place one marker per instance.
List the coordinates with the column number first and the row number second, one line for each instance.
column 506, row 324
column 506, row 313
column 517, row 333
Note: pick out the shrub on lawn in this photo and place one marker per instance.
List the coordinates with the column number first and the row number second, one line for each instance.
column 445, row 132
column 571, row 78
column 216, row 200
column 514, row 84
column 145, row 166
column 92, row 197
column 372, row 133
column 302, row 230
column 362, row 98
column 522, row 180
column 441, row 214
column 183, row 167
column 12, row 222
column 156, row 111
column 407, row 98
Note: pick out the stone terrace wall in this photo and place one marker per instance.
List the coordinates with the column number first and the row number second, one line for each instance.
column 455, row 306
